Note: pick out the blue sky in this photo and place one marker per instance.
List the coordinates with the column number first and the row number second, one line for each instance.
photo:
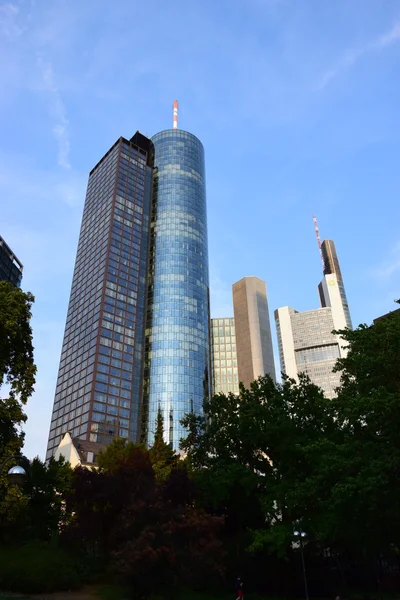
column 295, row 101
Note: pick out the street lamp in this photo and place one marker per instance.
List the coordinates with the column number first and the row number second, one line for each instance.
column 301, row 535
column 17, row 474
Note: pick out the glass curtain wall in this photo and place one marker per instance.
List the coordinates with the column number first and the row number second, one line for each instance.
column 177, row 335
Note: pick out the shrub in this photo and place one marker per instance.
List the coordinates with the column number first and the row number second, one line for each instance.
column 41, row 568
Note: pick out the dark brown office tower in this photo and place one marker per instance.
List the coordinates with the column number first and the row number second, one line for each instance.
column 331, row 260
column 101, row 369
column 332, row 267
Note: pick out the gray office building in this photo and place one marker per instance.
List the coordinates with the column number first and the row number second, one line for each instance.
column 305, row 339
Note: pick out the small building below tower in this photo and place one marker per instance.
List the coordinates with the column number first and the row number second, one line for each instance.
column 223, row 357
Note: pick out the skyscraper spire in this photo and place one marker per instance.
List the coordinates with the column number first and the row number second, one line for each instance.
column 175, row 119
column 319, row 242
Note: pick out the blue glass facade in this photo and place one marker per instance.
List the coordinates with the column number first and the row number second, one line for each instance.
column 177, row 335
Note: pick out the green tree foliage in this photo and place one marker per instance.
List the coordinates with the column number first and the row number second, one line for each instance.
column 146, row 529
column 261, row 454
column 37, row 511
column 97, row 498
column 365, row 498
column 47, row 487
column 17, row 368
column 174, row 549
column 16, row 350
column 17, row 372
column 282, row 456
column 162, row 456
column 41, row 568
column 118, row 452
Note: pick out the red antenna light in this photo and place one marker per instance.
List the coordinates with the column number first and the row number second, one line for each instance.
column 319, row 241
column 175, row 118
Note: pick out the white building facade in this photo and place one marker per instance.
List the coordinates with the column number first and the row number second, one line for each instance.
column 306, row 340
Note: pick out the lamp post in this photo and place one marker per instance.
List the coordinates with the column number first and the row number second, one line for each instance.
column 301, row 535
column 17, row 474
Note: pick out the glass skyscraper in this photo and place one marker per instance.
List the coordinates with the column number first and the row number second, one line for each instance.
column 99, row 385
column 10, row 266
column 137, row 330
column 177, row 335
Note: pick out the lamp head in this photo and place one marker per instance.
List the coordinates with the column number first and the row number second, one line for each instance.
column 16, row 476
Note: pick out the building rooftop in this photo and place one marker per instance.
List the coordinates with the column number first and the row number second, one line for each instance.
column 392, row 312
column 88, row 451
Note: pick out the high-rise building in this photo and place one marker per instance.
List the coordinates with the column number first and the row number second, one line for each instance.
column 10, row 266
column 99, row 385
column 305, row 339
column 331, row 289
column 253, row 330
column 177, row 335
column 241, row 347
column 225, row 378
column 137, row 331
column 307, row 345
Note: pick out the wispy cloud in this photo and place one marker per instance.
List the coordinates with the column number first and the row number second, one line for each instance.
column 388, row 38
column 354, row 54
column 390, row 266
column 59, row 113
column 9, row 15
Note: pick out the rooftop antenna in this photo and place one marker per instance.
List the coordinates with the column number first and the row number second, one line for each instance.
column 319, row 241
column 175, row 122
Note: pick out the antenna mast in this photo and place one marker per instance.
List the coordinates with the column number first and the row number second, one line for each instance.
column 319, row 241
column 175, row 118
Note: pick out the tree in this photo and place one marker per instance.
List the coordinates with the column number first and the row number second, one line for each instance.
column 97, row 498
column 16, row 350
column 367, row 409
column 262, row 454
column 330, row 467
column 162, row 456
column 17, row 371
column 37, row 511
column 47, row 488
column 118, row 452
column 17, row 368
column 164, row 543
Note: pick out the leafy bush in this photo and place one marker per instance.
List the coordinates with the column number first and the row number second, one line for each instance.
column 38, row 568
